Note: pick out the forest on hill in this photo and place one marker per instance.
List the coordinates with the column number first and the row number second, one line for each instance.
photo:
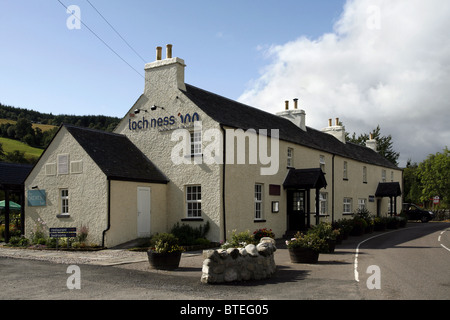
column 37, row 129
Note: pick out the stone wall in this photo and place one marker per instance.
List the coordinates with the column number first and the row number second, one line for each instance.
column 240, row 264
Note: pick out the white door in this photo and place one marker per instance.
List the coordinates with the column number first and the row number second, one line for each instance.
column 143, row 207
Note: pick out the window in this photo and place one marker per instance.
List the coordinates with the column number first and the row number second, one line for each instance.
column 383, row 175
column 345, row 171
column 290, row 157
column 392, row 176
column 347, row 206
column 323, row 197
column 258, row 201
column 63, row 164
column 364, row 174
column 362, row 203
column 196, row 142
column 322, row 163
column 64, row 193
column 194, row 201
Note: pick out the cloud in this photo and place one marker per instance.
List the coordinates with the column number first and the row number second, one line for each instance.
column 386, row 63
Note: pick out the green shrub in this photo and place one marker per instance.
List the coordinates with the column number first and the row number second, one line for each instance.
column 239, row 240
column 187, row 235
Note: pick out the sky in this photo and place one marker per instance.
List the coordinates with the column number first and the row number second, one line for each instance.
column 367, row 62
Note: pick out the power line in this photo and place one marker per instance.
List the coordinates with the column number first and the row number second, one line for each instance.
column 116, row 31
column 98, row 37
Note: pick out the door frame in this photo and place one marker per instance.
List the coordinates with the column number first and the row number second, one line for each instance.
column 143, row 218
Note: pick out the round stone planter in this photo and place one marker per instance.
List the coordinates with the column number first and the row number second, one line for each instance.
column 303, row 255
column 164, row 261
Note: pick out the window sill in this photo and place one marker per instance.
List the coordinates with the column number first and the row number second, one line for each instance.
column 192, row 219
column 63, row 215
column 259, row 220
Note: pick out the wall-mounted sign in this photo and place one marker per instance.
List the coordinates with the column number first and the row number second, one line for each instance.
column 371, row 198
column 168, row 122
column 36, row 198
column 63, row 232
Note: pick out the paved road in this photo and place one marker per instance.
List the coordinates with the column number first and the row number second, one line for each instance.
column 412, row 265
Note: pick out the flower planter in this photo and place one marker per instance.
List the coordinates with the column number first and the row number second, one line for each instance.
column 331, row 246
column 303, row 255
column 164, row 261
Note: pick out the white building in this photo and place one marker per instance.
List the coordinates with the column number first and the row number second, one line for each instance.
column 182, row 154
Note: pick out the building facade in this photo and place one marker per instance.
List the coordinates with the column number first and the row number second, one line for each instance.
column 208, row 159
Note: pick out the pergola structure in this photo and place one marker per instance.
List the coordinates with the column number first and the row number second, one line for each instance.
column 12, row 178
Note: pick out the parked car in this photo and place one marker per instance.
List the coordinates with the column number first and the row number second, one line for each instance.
column 413, row 212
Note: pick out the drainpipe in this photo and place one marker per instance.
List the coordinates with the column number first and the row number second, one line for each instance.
column 332, row 188
column 109, row 213
column 223, row 184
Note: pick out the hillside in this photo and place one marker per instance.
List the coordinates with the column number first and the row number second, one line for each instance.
column 11, row 145
column 25, row 133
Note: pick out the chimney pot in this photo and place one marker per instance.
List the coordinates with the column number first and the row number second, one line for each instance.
column 337, row 121
column 286, row 103
column 330, row 122
column 158, row 53
column 168, row 51
column 295, row 103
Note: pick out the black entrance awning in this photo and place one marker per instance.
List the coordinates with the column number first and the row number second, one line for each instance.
column 305, row 179
column 388, row 189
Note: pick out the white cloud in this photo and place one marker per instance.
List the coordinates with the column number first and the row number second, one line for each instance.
column 386, row 63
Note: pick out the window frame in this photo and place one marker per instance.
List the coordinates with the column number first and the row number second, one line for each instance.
column 64, row 201
column 193, row 199
column 347, row 202
column 258, row 212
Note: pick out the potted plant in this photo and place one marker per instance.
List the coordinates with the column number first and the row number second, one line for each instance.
column 165, row 252
column 325, row 231
column 359, row 226
column 264, row 232
column 305, row 248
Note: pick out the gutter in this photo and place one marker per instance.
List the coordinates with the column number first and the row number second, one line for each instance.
column 108, row 214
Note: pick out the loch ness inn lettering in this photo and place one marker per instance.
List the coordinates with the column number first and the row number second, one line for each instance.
column 161, row 121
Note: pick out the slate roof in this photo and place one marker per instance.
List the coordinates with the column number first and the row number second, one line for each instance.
column 116, row 155
column 305, row 179
column 13, row 175
column 237, row 115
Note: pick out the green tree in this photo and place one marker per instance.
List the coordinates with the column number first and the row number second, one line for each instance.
column 412, row 185
column 434, row 175
column 384, row 144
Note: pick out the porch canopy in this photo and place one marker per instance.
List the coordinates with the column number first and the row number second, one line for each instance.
column 307, row 179
column 12, row 179
column 391, row 190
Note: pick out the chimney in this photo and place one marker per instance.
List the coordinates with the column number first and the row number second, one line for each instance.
column 169, row 51
column 161, row 74
column 296, row 116
column 158, row 53
column 372, row 143
column 336, row 131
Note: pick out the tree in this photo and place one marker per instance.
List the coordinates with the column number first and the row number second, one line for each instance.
column 384, row 144
column 434, row 175
column 411, row 183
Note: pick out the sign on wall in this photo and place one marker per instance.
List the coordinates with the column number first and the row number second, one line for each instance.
column 36, row 198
